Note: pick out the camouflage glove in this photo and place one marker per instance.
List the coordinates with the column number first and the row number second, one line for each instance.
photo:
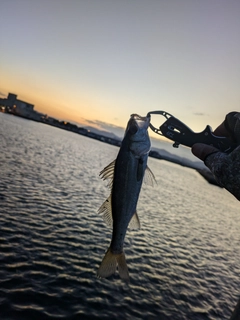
column 232, row 125
column 225, row 167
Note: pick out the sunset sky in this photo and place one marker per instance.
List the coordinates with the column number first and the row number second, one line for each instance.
column 97, row 61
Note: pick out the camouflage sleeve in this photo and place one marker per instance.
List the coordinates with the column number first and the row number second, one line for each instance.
column 226, row 167
column 226, row 170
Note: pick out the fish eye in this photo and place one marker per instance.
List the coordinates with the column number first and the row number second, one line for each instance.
column 133, row 129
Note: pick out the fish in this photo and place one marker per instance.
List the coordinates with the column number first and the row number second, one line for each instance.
column 125, row 176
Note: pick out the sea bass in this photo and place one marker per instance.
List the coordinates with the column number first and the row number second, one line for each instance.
column 126, row 176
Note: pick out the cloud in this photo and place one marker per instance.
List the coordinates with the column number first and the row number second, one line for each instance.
column 101, row 125
column 199, row 114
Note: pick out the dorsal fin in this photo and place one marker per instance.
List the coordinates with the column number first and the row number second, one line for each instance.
column 106, row 211
column 108, row 173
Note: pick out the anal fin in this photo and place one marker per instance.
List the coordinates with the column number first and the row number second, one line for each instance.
column 134, row 223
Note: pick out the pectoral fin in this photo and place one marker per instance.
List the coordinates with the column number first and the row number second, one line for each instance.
column 140, row 171
column 149, row 177
column 148, row 174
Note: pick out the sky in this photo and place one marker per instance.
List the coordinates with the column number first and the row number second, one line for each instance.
column 95, row 62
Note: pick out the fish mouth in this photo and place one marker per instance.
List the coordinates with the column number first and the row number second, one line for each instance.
column 138, row 117
column 141, row 121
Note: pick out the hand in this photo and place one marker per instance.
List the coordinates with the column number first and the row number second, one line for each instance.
column 225, row 167
column 201, row 150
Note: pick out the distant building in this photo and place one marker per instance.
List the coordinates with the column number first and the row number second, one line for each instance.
column 14, row 105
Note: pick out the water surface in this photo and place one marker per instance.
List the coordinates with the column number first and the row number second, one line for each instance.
column 184, row 263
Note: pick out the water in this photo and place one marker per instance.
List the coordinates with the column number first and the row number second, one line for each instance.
column 184, row 263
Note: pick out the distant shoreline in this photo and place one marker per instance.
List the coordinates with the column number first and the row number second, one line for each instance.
column 205, row 173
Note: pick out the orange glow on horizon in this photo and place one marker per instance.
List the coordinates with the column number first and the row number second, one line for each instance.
column 51, row 105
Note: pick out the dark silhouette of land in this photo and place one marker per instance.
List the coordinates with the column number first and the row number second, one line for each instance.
column 16, row 107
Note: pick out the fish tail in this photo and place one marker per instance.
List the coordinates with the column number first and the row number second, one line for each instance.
column 109, row 265
column 122, row 267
